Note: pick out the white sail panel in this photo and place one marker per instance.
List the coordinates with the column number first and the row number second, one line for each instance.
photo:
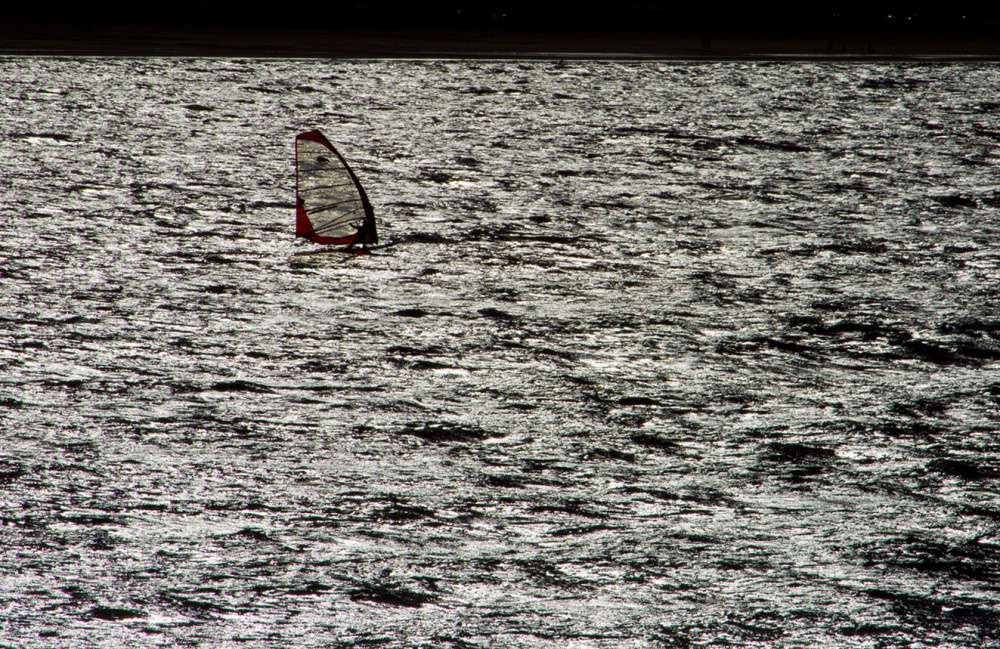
column 331, row 206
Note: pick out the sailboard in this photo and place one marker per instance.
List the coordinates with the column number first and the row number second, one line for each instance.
column 331, row 206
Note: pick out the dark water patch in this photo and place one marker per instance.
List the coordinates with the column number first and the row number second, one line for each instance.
column 446, row 432
column 240, row 386
column 607, row 454
column 857, row 246
column 520, row 405
column 10, row 403
column 310, row 588
column 930, row 352
column 570, row 173
column 938, row 613
column 216, row 258
column 905, row 602
column 497, row 315
column 638, row 401
column 115, row 614
column 922, row 553
column 655, row 442
column 754, row 564
column 955, row 200
column 398, row 512
column 407, row 204
column 964, row 469
column 193, row 606
column 412, row 313
column 572, row 507
column 833, row 305
column 252, row 535
column 780, row 145
column 971, row 326
column 867, row 330
column 424, row 364
column 926, row 407
column 991, row 199
column 183, row 387
column 438, row 177
column 953, row 249
column 676, row 636
column 501, row 232
column 807, row 461
column 988, row 513
column 54, row 137
column 426, row 237
column 667, row 132
column 151, row 507
column 610, row 206
column 868, row 629
column 239, row 506
column 263, row 205
column 555, row 239
column 406, row 350
column 847, row 247
column 892, row 83
column 9, row 473
column 327, row 367
column 92, row 519
column 787, row 346
column 6, row 272
column 738, row 629
column 478, row 90
column 541, row 351
column 478, row 205
column 715, row 279
column 793, row 452
column 503, row 481
column 65, row 384
column 265, row 90
column 390, row 595
column 976, row 353
column 756, row 344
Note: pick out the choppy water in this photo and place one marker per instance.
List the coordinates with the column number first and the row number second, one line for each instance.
column 658, row 355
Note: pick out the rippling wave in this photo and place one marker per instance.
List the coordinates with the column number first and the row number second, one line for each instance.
column 655, row 354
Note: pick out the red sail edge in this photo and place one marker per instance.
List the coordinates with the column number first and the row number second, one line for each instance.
column 366, row 235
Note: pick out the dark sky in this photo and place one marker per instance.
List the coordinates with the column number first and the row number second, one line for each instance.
column 521, row 15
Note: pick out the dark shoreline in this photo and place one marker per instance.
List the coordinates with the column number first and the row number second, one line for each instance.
column 38, row 39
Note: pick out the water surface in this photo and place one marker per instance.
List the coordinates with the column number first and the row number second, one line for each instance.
column 655, row 354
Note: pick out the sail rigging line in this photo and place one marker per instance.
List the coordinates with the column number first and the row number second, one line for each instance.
column 331, row 206
column 337, row 222
column 338, row 185
column 326, row 208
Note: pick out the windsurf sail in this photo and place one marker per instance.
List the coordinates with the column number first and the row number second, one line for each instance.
column 331, row 206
